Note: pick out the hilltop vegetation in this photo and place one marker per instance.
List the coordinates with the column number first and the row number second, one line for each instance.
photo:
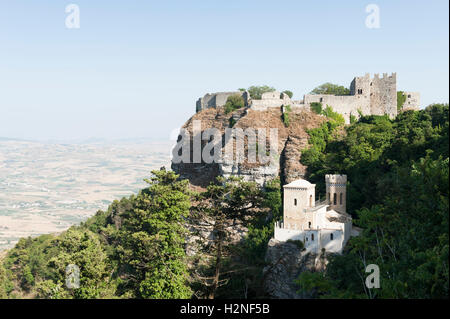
column 398, row 194
column 330, row 88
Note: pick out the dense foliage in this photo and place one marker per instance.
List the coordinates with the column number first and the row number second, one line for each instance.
column 285, row 115
column 234, row 102
column 223, row 206
column 289, row 93
column 316, row 107
column 401, row 98
column 330, row 88
column 398, row 192
column 134, row 250
column 257, row 91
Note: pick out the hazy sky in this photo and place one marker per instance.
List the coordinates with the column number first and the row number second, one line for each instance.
column 136, row 68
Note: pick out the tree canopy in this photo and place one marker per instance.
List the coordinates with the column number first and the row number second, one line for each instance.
column 330, row 88
column 398, row 194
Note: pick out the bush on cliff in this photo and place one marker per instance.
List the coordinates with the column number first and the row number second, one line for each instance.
column 257, row 91
column 234, row 102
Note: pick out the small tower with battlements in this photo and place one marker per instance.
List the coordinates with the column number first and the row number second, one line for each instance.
column 336, row 187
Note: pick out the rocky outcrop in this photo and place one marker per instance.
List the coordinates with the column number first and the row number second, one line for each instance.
column 285, row 262
column 285, row 163
column 202, row 234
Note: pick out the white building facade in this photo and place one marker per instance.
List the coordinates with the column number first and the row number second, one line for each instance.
column 319, row 225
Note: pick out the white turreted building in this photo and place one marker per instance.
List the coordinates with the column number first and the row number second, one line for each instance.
column 319, row 225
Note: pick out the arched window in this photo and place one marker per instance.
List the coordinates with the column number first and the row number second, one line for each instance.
column 340, row 199
column 334, row 199
column 310, row 200
column 312, row 237
column 331, row 236
column 295, row 201
column 309, row 225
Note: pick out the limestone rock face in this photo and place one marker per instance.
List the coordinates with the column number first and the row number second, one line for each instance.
column 285, row 262
column 285, row 161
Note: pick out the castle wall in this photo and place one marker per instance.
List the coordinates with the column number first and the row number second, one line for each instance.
column 370, row 96
column 344, row 104
column 375, row 96
column 322, row 238
column 271, row 99
column 383, row 95
column 412, row 101
column 331, row 245
column 213, row 100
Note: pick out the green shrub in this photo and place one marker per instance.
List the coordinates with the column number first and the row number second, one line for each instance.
column 285, row 118
column 234, row 102
column 257, row 91
column 316, row 107
column 285, row 115
column 330, row 88
column 289, row 93
column 401, row 98
column 328, row 112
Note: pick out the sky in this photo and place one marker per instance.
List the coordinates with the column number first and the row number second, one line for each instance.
column 134, row 69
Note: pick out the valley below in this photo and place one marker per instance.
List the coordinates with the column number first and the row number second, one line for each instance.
column 48, row 187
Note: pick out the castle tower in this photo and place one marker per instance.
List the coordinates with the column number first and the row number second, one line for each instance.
column 298, row 195
column 360, row 88
column 383, row 95
column 336, row 187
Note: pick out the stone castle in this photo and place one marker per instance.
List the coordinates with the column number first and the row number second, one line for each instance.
column 368, row 96
column 319, row 225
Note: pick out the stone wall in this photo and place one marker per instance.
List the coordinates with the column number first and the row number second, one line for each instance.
column 274, row 99
column 383, row 95
column 344, row 104
column 214, row 100
column 370, row 96
column 412, row 101
column 314, row 240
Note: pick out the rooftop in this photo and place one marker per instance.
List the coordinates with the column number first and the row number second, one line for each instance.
column 303, row 183
column 315, row 208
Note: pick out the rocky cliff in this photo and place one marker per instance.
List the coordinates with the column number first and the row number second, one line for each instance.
column 285, row 262
column 286, row 164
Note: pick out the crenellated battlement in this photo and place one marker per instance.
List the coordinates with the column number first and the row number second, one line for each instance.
column 368, row 96
column 335, row 179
